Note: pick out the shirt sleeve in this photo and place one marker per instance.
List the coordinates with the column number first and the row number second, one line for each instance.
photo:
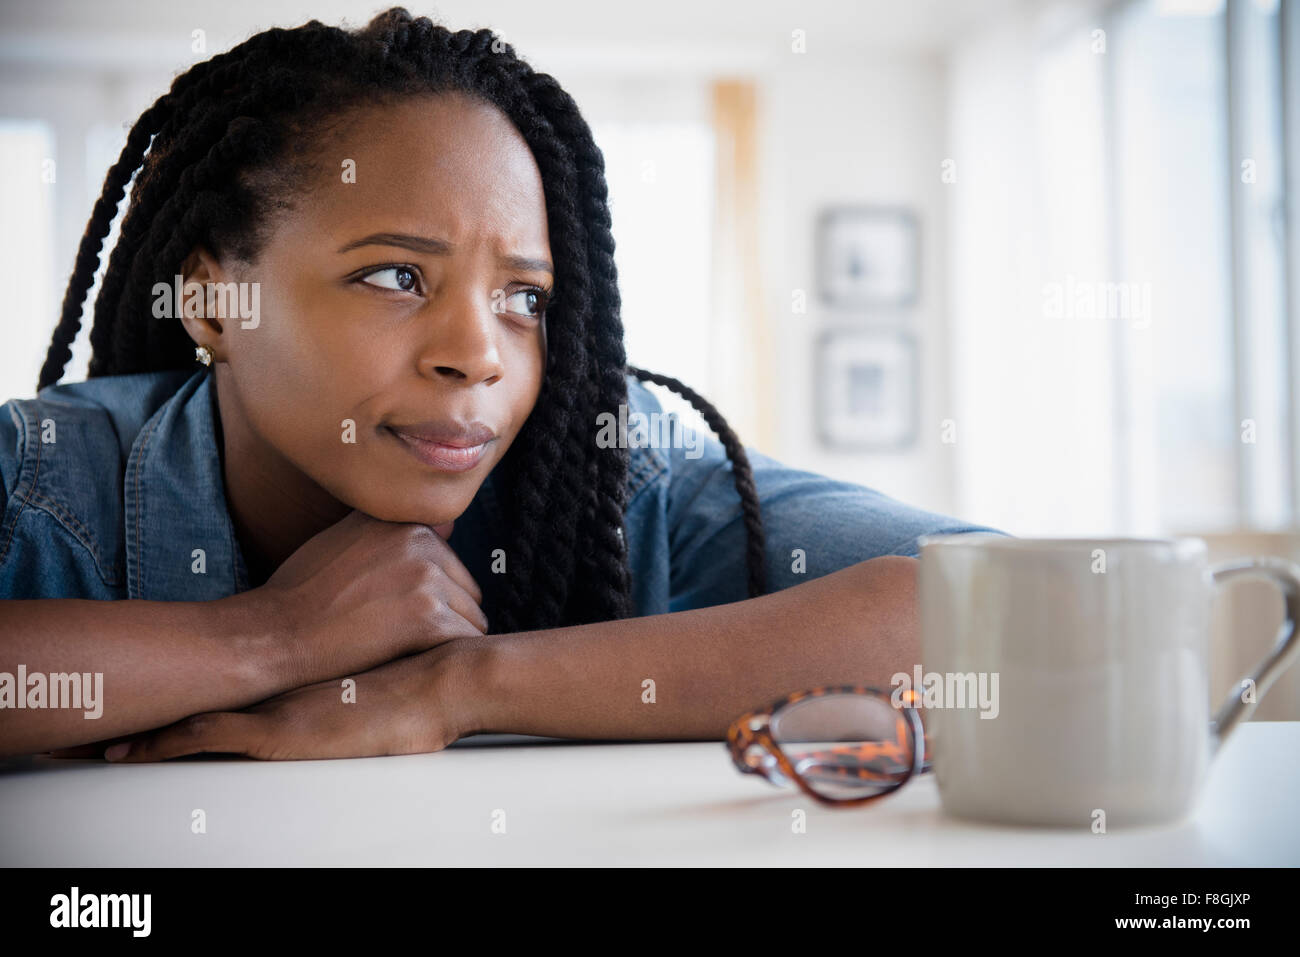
column 813, row 525
column 10, row 453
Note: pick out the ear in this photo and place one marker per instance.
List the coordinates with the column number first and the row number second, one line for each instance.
column 204, row 325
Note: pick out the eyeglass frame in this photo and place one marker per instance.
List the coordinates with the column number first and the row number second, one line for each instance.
column 753, row 728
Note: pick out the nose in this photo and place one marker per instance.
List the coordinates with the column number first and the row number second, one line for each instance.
column 460, row 342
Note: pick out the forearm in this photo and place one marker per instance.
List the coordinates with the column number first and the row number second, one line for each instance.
column 856, row 626
column 159, row 661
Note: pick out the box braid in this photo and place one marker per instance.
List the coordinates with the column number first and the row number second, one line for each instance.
column 742, row 475
column 227, row 144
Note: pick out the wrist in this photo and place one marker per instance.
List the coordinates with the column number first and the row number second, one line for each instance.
column 476, row 685
column 249, row 632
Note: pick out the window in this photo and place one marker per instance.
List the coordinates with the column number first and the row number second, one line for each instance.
column 660, row 177
column 1119, row 283
column 27, row 250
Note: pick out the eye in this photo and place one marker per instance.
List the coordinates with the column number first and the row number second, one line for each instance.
column 531, row 302
column 397, row 278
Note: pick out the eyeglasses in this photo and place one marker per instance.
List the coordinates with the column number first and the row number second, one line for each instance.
column 841, row 745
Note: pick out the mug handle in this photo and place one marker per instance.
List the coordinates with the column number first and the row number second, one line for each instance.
column 1286, row 575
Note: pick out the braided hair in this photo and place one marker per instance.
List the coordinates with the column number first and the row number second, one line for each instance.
column 224, row 147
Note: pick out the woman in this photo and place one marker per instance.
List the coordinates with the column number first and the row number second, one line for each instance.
column 386, row 509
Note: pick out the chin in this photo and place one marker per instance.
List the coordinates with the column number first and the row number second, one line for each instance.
column 398, row 509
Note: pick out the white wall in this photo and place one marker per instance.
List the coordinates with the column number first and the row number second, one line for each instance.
column 869, row 132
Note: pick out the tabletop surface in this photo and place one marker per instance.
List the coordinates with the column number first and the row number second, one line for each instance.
column 543, row 802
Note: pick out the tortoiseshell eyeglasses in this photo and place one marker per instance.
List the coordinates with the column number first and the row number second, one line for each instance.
column 842, row 745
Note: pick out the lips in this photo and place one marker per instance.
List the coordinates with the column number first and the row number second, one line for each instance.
column 446, row 446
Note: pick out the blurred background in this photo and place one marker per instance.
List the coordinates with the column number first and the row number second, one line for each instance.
column 1031, row 264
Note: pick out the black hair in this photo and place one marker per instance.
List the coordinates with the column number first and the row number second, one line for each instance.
column 224, row 147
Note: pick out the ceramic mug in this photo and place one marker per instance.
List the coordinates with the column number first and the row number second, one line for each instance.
column 1097, row 651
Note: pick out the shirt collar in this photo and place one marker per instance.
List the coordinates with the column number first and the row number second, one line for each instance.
column 180, row 540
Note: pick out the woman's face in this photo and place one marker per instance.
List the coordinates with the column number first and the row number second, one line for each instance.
column 400, row 345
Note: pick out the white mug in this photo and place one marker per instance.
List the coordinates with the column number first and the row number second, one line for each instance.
column 1097, row 651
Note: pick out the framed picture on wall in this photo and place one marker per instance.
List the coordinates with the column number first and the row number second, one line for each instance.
column 866, row 389
column 867, row 257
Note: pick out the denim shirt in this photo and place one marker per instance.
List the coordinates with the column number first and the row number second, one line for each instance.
column 113, row 488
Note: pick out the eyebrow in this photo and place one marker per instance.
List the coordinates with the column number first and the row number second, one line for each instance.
column 440, row 247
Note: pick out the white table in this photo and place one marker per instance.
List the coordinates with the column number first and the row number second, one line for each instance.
column 572, row 803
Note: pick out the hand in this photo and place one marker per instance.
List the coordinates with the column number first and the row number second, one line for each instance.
column 410, row 706
column 361, row 593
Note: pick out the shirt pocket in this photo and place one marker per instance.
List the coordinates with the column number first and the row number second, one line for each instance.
column 68, row 473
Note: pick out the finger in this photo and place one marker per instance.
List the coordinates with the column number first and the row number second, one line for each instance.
column 217, row 732
column 430, row 542
column 80, row 751
column 449, row 561
column 354, row 519
column 476, row 623
column 443, row 626
column 355, row 526
column 93, row 749
column 463, row 603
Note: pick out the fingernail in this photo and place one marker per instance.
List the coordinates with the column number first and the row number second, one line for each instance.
column 117, row 751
